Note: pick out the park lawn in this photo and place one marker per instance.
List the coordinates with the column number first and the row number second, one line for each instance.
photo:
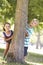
column 3, row 62
column 35, row 59
column 31, row 59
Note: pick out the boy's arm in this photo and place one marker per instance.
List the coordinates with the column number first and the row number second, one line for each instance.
column 26, row 34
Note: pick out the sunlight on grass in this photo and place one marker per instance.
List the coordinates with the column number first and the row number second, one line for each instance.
column 33, row 63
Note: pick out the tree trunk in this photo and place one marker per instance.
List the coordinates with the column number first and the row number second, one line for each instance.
column 17, row 46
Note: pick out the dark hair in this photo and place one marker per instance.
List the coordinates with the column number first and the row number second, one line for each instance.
column 5, row 24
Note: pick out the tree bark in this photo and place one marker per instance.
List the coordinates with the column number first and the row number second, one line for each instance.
column 16, row 49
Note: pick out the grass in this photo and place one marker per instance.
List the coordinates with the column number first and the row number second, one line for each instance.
column 35, row 58
column 31, row 59
column 3, row 62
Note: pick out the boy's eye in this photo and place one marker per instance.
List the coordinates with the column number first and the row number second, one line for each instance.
column 35, row 22
column 32, row 23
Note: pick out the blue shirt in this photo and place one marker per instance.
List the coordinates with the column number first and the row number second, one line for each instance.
column 26, row 39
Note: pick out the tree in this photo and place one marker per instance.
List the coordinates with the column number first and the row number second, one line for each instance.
column 17, row 46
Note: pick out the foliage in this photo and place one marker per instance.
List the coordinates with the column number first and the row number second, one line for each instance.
column 7, row 10
column 8, row 7
column 35, row 10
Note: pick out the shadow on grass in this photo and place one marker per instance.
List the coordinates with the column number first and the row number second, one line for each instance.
column 35, row 58
column 13, row 63
column 3, row 62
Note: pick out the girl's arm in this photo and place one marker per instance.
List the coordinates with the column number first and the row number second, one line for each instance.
column 8, row 38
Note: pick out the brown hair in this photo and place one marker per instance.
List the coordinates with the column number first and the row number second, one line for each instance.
column 5, row 24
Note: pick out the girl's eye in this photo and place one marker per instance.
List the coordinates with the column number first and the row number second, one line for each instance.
column 7, row 26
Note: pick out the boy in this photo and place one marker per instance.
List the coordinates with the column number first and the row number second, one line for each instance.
column 28, row 33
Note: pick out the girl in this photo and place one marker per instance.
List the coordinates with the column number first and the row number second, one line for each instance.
column 8, row 34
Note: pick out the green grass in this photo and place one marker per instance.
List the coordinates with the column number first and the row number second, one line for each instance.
column 3, row 62
column 34, row 58
column 14, row 64
column 1, row 50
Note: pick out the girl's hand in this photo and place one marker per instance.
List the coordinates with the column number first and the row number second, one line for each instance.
column 8, row 38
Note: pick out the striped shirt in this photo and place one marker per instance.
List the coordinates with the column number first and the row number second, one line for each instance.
column 27, row 38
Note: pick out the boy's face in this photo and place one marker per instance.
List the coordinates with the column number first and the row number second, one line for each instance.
column 34, row 24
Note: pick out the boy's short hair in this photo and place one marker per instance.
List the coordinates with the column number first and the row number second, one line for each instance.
column 33, row 20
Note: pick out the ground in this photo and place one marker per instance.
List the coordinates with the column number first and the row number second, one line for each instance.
column 31, row 59
column 34, row 57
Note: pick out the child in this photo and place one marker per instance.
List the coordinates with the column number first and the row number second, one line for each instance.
column 8, row 34
column 28, row 33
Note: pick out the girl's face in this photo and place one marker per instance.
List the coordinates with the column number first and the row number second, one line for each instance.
column 7, row 27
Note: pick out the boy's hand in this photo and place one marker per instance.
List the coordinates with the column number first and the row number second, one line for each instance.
column 26, row 34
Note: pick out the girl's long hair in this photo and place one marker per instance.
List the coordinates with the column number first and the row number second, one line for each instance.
column 4, row 25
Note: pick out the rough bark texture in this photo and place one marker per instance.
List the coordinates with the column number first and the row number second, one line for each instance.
column 17, row 46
